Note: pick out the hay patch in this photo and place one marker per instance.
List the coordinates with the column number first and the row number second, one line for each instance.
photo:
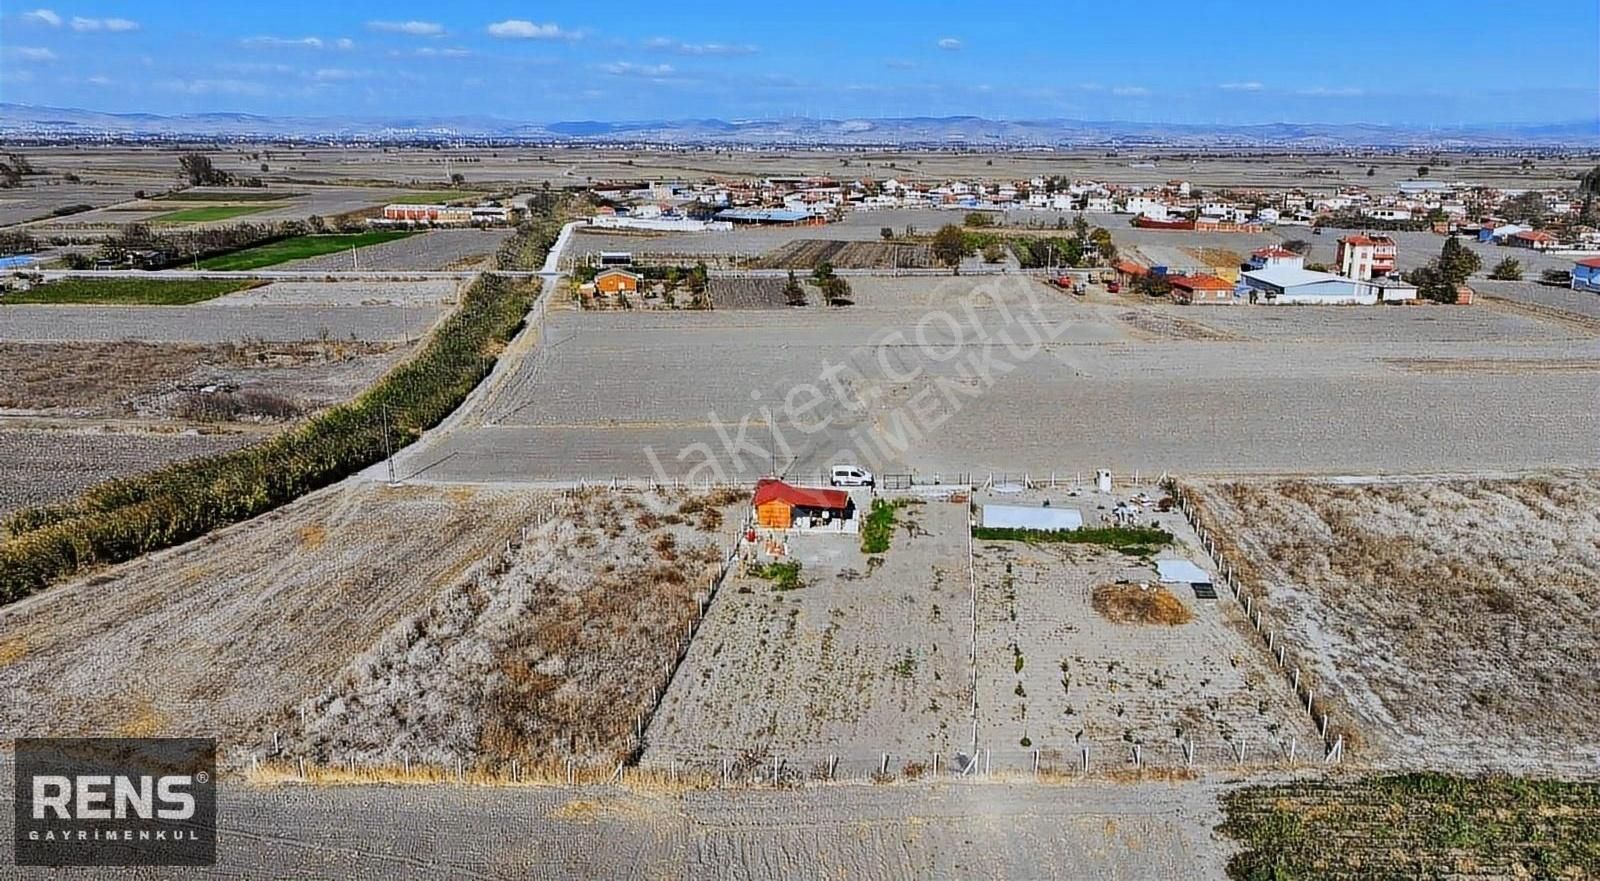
column 1139, row 604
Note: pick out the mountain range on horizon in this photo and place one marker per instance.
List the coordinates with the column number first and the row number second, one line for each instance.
column 23, row 120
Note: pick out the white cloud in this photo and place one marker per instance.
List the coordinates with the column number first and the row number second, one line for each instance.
column 1326, row 92
column 668, row 44
column 1130, row 91
column 339, row 74
column 101, row 81
column 43, row 16
column 451, row 52
column 112, row 25
column 649, row 71
column 1250, row 86
column 522, row 29
column 412, row 28
column 949, row 44
column 215, row 87
column 34, row 53
column 298, row 42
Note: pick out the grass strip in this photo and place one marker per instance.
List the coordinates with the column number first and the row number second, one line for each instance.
column 1421, row 825
column 130, row 291
column 299, row 248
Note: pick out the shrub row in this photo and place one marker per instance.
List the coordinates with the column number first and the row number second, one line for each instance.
column 122, row 519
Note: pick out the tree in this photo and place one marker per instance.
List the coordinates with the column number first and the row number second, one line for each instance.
column 1299, row 246
column 1422, row 171
column 1589, row 188
column 949, row 245
column 822, row 273
column 1372, row 170
column 264, row 168
column 1509, row 269
column 1432, row 285
column 993, row 253
column 457, row 179
column 1100, row 237
column 199, row 171
column 836, row 291
column 794, row 293
column 1080, row 227
column 887, row 233
column 978, row 219
column 317, row 224
column 1457, row 262
column 1525, row 208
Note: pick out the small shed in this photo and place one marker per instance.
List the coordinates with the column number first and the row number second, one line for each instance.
column 779, row 504
column 1181, row 572
column 1029, row 517
column 613, row 281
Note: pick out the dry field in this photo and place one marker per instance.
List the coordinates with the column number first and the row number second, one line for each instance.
column 1454, row 619
column 185, row 382
column 808, row 255
column 346, row 293
column 224, row 636
column 1127, row 387
column 1058, row 674
column 546, row 651
column 213, row 322
column 870, row 656
column 995, row 830
column 41, row 467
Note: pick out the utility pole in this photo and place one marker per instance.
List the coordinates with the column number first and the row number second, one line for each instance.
column 388, row 449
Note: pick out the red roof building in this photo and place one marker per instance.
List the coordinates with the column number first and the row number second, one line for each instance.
column 777, row 503
column 1198, row 289
column 1364, row 257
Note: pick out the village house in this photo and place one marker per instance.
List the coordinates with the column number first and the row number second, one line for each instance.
column 779, row 505
column 1201, row 290
column 1586, row 275
column 617, row 281
column 1364, row 257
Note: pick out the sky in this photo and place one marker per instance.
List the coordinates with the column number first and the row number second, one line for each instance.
column 1410, row 62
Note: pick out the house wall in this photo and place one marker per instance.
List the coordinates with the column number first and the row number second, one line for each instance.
column 611, row 284
column 776, row 514
column 1586, row 278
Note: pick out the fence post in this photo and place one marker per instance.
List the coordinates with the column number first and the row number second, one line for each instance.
column 1085, row 760
column 884, row 769
column 1035, row 763
column 302, row 770
column 1188, row 753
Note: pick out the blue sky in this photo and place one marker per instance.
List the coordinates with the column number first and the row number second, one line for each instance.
column 1418, row 62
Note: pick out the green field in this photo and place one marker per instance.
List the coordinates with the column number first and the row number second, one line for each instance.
column 234, row 196
column 130, row 291
column 299, row 248
column 208, row 213
column 1415, row 826
column 434, row 197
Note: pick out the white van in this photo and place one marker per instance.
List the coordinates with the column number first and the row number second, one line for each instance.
column 852, row 475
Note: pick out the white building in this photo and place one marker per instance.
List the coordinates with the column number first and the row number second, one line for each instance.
column 1284, row 285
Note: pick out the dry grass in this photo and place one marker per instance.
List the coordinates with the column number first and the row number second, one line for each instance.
column 550, row 650
column 1456, row 621
column 13, row 649
column 658, row 781
column 1139, row 604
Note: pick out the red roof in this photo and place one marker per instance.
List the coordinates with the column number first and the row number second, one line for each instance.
column 769, row 489
column 1591, row 262
column 1278, row 253
column 1200, row 283
column 1535, row 236
column 1131, row 268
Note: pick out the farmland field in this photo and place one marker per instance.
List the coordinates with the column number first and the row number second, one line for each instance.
column 207, row 214
column 809, row 254
column 547, row 652
column 431, row 197
column 47, row 467
column 868, row 656
column 298, row 248
column 1055, row 674
column 1416, row 826
column 1455, row 619
column 206, row 194
column 225, row 635
column 212, row 322
column 129, row 291
column 435, row 249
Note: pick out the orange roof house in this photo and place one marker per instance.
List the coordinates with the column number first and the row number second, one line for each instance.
column 613, row 281
column 1201, row 289
column 777, row 503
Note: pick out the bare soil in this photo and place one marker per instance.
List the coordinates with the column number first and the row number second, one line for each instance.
column 1455, row 619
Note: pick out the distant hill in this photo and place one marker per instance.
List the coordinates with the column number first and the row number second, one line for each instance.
column 22, row 120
